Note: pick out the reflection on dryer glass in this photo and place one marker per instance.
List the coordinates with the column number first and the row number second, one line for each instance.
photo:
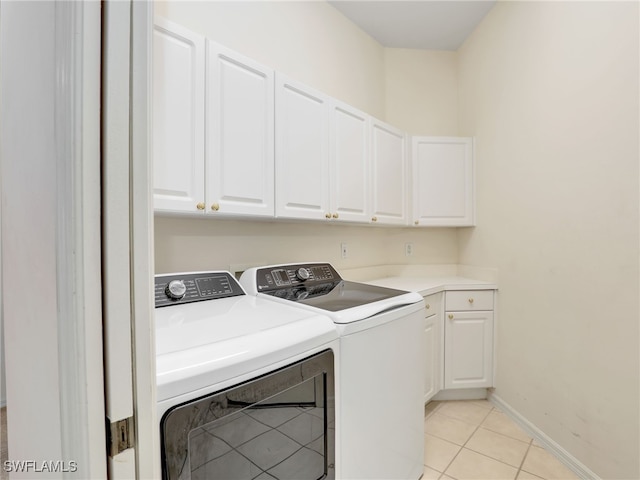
column 250, row 433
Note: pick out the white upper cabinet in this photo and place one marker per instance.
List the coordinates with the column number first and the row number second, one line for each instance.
column 233, row 137
column 302, row 151
column 349, row 177
column 322, row 156
column 389, row 174
column 443, row 193
column 240, row 134
column 178, row 118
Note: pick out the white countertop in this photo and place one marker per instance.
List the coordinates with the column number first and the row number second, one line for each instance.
column 429, row 285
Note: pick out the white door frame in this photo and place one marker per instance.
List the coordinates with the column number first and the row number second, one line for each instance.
column 128, row 235
column 52, row 245
column 50, row 181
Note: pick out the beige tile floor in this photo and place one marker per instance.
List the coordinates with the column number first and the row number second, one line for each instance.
column 473, row 440
column 466, row 440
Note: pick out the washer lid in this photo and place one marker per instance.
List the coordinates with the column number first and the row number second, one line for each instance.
column 336, row 296
column 322, row 289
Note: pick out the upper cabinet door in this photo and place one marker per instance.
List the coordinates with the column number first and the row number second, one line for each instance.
column 240, row 132
column 178, row 118
column 389, row 172
column 302, row 173
column 349, row 177
column 443, row 193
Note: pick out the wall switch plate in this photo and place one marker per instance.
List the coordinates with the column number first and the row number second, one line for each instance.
column 408, row 249
column 344, row 250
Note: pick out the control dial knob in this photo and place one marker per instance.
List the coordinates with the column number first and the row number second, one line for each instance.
column 302, row 274
column 176, row 289
column 300, row 294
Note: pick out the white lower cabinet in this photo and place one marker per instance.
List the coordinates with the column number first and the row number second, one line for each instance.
column 433, row 345
column 468, row 339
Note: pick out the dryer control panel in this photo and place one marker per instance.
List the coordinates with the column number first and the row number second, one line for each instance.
column 288, row 276
column 181, row 288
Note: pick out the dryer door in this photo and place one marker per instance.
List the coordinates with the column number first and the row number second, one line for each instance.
column 281, row 426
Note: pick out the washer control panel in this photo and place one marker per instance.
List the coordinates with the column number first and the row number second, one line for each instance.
column 287, row 276
column 181, row 288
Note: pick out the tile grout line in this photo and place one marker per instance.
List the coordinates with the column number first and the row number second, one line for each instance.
column 524, row 458
column 519, row 469
column 467, row 441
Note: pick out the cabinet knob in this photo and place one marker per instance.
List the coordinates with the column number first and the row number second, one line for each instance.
column 200, row 206
column 451, row 316
column 471, row 300
column 374, row 219
column 335, row 215
column 427, row 306
column 215, row 207
column 416, row 222
column 327, row 215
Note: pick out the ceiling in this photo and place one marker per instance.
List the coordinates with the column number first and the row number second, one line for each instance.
column 423, row 24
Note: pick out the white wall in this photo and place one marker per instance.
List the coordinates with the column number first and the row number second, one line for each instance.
column 550, row 91
column 186, row 244
column 315, row 44
column 421, row 95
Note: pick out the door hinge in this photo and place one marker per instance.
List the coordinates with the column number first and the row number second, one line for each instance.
column 120, row 436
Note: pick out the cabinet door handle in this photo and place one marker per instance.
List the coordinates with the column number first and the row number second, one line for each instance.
column 416, row 222
column 451, row 316
column 335, row 215
column 374, row 219
column 215, row 207
column 427, row 306
column 327, row 215
column 200, row 206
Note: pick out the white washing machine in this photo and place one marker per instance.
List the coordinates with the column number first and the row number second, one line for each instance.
column 380, row 388
column 246, row 387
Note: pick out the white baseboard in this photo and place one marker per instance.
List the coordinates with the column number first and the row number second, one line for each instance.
column 461, row 394
column 561, row 454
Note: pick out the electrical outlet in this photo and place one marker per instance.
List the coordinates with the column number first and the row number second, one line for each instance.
column 408, row 249
column 344, row 250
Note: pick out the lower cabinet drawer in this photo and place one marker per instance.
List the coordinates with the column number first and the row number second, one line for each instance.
column 468, row 300
column 432, row 304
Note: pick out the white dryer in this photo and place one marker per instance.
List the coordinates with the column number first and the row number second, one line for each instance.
column 245, row 386
column 380, row 392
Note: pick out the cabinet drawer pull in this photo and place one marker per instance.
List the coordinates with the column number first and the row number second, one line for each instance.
column 471, row 300
column 335, row 215
column 416, row 222
column 451, row 316
column 200, row 206
column 427, row 306
column 215, row 207
column 374, row 219
column 327, row 215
